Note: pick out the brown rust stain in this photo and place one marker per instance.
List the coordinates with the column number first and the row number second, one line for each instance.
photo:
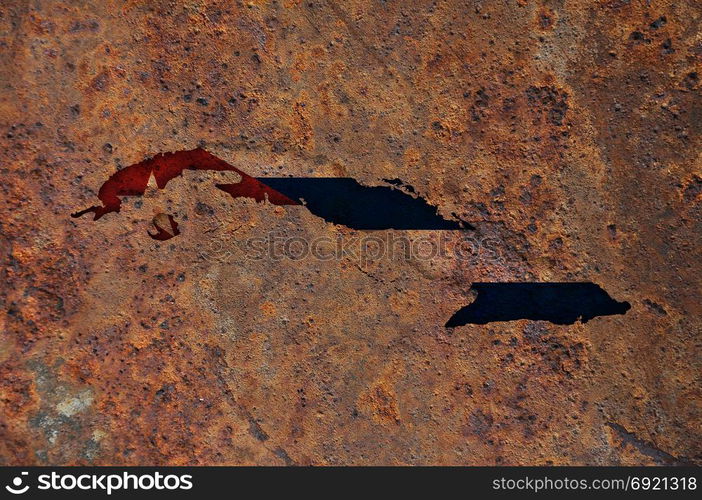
column 569, row 134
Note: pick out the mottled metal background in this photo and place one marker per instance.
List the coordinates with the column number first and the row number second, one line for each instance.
column 567, row 131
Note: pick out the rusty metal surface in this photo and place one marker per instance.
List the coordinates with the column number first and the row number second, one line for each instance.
column 567, row 132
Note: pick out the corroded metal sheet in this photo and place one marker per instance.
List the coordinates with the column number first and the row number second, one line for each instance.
column 568, row 133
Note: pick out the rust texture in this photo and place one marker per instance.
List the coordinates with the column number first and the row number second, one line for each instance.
column 567, row 132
